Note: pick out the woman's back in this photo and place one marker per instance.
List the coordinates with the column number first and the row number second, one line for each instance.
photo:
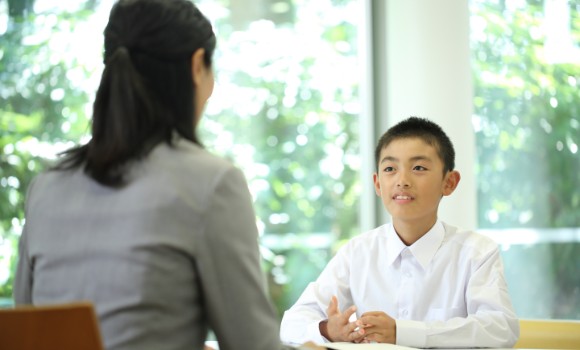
column 147, row 254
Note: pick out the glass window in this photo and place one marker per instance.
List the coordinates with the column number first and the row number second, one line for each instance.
column 285, row 109
column 526, row 71
column 49, row 64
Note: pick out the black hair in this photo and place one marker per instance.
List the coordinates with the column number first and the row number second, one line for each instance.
column 427, row 131
column 146, row 93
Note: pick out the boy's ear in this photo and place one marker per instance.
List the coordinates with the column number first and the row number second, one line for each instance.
column 377, row 184
column 450, row 182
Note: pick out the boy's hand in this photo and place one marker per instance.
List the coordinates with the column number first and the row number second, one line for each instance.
column 337, row 327
column 378, row 327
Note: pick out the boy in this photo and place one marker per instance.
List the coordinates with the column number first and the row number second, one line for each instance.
column 417, row 281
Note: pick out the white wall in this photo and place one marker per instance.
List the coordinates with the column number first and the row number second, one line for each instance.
column 423, row 69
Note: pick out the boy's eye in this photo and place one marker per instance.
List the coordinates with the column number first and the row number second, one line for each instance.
column 389, row 169
column 419, row 168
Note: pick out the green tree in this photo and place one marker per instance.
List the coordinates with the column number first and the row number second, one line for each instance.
column 293, row 119
column 276, row 114
column 527, row 121
column 40, row 111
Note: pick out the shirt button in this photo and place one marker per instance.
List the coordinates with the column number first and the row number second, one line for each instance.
column 405, row 312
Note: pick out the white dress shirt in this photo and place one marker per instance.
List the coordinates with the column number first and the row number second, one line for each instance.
column 445, row 290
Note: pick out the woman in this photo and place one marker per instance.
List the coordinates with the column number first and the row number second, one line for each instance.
column 142, row 221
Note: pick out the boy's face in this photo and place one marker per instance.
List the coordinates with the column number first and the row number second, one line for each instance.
column 411, row 182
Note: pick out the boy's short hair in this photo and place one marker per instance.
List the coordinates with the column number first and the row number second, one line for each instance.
column 427, row 131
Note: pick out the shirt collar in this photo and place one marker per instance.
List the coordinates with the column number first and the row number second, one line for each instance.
column 423, row 250
column 394, row 245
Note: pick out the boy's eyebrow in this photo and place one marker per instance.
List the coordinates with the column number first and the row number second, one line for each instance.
column 413, row 159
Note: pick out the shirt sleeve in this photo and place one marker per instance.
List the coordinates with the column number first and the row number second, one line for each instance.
column 301, row 322
column 23, row 279
column 491, row 321
column 228, row 262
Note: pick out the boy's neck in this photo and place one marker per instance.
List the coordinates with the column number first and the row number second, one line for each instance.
column 411, row 231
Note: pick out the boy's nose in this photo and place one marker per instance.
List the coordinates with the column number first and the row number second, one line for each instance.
column 403, row 181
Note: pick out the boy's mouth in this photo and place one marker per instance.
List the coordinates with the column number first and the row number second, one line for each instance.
column 402, row 197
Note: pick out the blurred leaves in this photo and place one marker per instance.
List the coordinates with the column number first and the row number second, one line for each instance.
column 41, row 111
column 527, row 112
column 527, row 123
column 285, row 109
column 278, row 111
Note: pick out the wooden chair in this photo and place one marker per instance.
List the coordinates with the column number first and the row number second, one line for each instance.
column 549, row 334
column 55, row 327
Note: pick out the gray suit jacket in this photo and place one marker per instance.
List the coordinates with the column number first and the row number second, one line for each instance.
column 163, row 259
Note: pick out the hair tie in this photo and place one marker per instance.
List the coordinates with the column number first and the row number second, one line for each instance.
column 122, row 48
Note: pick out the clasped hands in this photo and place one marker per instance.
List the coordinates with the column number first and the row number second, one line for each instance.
column 374, row 326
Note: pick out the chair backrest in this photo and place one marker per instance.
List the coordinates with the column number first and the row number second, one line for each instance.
column 549, row 334
column 55, row 327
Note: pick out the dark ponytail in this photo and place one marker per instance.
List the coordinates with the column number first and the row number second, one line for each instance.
column 146, row 94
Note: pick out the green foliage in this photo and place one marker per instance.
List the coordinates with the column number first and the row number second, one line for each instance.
column 279, row 118
column 294, row 124
column 545, row 279
column 289, row 119
column 527, row 120
column 40, row 109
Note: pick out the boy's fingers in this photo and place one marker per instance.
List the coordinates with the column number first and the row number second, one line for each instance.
column 365, row 321
column 371, row 338
column 357, row 336
column 372, row 313
column 348, row 312
column 353, row 327
column 370, row 318
column 332, row 306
